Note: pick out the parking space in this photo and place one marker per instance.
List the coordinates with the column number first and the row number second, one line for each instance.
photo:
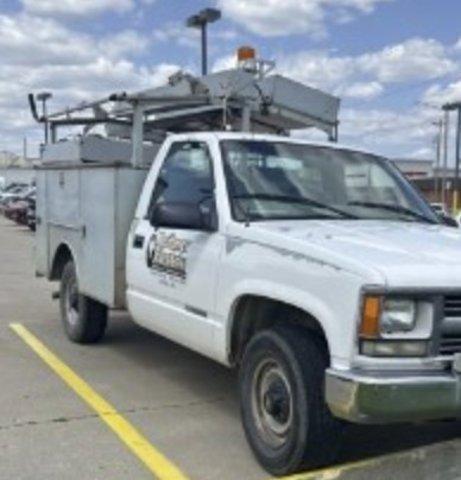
column 184, row 405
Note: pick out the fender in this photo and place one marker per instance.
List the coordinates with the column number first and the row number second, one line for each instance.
column 57, row 251
column 295, row 297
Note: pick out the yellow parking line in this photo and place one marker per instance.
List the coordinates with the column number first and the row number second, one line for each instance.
column 331, row 473
column 157, row 463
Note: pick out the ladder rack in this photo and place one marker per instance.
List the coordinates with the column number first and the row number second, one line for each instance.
column 232, row 100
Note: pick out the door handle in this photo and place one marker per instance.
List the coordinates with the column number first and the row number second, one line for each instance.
column 138, row 241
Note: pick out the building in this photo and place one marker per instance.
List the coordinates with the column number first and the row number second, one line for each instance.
column 431, row 187
column 14, row 168
column 8, row 159
column 429, row 179
column 414, row 168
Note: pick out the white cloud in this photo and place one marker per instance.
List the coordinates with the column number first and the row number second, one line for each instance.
column 30, row 40
column 338, row 75
column 422, row 153
column 386, row 132
column 123, row 43
column 277, row 18
column 380, row 123
column 413, row 59
column 438, row 95
column 76, row 7
column 393, row 133
column 365, row 76
column 70, row 84
column 52, row 43
column 40, row 53
column 362, row 90
column 178, row 33
column 457, row 45
column 225, row 63
column 318, row 69
column 190, row 37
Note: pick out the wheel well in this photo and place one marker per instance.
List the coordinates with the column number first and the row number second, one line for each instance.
column 62, row 256
column 254, row 313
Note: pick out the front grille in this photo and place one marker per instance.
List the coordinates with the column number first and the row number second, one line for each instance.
column 450, row 339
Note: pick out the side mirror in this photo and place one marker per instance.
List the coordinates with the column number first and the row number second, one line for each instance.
column 184, row 216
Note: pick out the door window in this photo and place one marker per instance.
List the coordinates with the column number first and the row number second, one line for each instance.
column 186, row 176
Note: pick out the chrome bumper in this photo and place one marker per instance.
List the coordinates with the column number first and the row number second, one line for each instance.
column 384, row 398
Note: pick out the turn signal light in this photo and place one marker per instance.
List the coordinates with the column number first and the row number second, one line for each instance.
column 371, row 312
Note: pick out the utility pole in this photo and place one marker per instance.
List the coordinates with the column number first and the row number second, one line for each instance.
column 201, row 21
column 456, row 106
column 438, row 156
column 24, row 148
column 446, row 129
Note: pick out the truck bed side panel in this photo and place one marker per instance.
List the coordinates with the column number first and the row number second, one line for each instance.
column 90, row 209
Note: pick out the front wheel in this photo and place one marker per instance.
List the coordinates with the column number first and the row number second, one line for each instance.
column 84, row 319
column 286, row 420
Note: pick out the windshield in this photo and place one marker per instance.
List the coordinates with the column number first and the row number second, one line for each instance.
column 281, row 180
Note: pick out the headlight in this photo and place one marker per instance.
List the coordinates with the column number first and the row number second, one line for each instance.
column 395, row 325
column 398, row 315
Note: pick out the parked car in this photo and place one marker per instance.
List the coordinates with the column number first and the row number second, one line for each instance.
column 13, row 191
column 31, row 215
column 16, row 210
column 12, row 204
column 441, row 210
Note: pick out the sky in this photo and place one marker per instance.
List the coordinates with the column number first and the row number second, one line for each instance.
column 393, row 63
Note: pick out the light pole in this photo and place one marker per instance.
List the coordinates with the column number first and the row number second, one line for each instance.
column 44, row 97
column 448, row 107
column 438, row 153
column 201, row 20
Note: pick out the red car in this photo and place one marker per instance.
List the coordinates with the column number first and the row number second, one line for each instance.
column 17, row 211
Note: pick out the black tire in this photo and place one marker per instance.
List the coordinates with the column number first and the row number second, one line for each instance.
column 84, row 319
column 286, row 420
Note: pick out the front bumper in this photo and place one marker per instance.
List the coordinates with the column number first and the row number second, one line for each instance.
column 373, row 398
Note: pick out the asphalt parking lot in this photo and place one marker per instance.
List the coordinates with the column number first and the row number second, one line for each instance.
column 185, row 406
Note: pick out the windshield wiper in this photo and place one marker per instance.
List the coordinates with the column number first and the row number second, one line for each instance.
column 300, row 200
column 394, row 208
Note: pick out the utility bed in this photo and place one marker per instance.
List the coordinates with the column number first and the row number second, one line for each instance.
column 89, row 207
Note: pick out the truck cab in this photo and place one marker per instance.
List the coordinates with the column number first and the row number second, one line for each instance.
column 243, row 241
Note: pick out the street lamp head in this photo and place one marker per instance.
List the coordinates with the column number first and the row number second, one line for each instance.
column 194, row 21
column 211, row 14
column 208, row 15
column 451, row 106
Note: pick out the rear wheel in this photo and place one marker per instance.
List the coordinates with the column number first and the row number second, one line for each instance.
column 286, row 420
column 84, row 319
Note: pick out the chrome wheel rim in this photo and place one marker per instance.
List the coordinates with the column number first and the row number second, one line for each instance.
column 272, row 403
column 71, row 302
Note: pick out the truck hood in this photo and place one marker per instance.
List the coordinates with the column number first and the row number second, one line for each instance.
column 405, row 254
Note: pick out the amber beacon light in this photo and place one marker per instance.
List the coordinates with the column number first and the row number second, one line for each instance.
column 246, row 53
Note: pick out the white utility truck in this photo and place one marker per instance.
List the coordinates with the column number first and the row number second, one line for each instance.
column 315, row 269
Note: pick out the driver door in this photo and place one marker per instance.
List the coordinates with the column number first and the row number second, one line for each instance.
column 172, row 272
